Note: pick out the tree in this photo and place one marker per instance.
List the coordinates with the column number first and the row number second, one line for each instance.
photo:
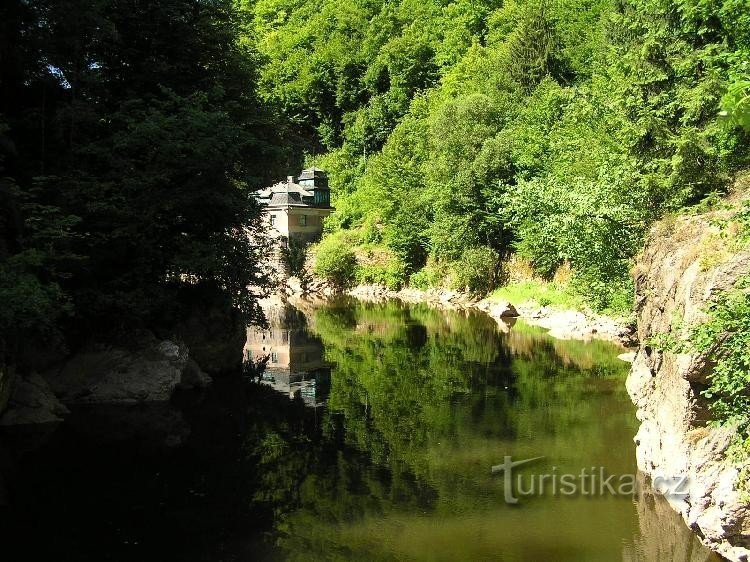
column 134, row 139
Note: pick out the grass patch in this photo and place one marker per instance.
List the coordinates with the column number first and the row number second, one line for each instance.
column 541, row 292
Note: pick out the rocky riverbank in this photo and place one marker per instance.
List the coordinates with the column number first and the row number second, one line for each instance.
column 684, row 265
column 561, row 323
column 136, row 368
column 143, row 370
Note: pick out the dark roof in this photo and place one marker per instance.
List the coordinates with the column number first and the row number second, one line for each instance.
column 286, row 199
column 311, row 173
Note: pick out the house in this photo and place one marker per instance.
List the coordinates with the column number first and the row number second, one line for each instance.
column 296, row 210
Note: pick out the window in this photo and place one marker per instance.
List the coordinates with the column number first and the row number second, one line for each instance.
column 322, row 197
column 274, row 357
column 303, row 220
column 273, row 220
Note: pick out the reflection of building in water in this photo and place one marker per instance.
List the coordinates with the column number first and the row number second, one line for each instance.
column 295, row 363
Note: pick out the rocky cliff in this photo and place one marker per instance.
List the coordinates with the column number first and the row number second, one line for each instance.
column 686, row 263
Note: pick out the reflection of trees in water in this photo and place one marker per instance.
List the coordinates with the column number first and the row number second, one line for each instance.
column 310, row 480
column 422, row 403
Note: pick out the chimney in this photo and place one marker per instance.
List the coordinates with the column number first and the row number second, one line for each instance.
column 290, row 179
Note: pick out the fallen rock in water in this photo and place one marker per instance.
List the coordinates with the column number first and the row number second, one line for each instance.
column 503, row 310
column 117, row 375
column 33, row 402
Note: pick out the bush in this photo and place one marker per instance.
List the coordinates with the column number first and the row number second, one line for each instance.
column 476, row 271
column 420, row 280
column 427, row 277
column 294, row 255
column 725, row 337
column 391, row 275
column 335, row 262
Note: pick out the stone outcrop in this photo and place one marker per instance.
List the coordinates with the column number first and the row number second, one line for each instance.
column 147, row 372
column 33, row 402
column 683, row 267
column 143, row 370
column 567, row 324
column 498, row 309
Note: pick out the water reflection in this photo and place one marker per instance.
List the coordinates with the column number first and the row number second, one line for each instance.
column 412, row 408
column 663, row 535
column 421, row 404
column 293, row 356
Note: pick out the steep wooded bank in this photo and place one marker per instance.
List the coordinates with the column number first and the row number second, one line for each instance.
column 690, row 375
column 131, row 137
column 457, row 133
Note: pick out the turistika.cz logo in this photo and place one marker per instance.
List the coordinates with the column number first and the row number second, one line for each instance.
column 589, row 481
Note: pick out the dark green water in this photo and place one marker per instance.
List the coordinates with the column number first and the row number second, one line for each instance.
column 372, row 437
column 422, row 404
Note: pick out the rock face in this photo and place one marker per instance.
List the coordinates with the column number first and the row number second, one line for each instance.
column 679, row 273
column 33, row 402
column 117, row 375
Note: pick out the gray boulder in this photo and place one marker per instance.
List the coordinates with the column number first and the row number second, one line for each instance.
column 147, row 373
column 33, row 402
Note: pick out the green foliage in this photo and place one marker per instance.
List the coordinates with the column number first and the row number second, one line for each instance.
column 134, row 137
column 477, row 271
column 391, row 275
column 294, row 255
column 725, row 339
column 335, row 262
column 35, row 259
column 558, row 130
column 533, row 47
column 428, row 277
column 736, row 103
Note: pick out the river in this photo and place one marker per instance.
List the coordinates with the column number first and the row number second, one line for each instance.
column 372, row 435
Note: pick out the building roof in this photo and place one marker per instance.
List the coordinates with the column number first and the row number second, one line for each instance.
column 285, row 193
column 290, row 198
column 291, row 193
column 310, row 173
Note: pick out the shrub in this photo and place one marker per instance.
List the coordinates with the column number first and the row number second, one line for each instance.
column 432, row 275
column 294, row 255
column 391, row 275
column 420, row 280
column 725, row 337
column 335, row 262
column 476, row 271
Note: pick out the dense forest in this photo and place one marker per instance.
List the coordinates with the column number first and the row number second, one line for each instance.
column 131, row 135
column 456, row 134
column 460, row 133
